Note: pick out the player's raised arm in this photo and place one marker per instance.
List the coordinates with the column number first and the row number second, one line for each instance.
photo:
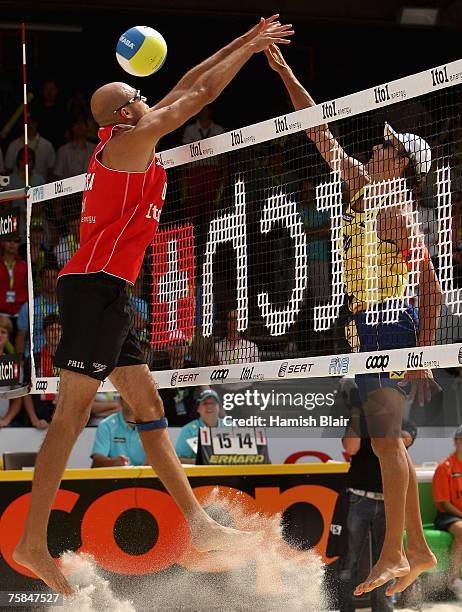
column 156, row 123
column 190, row 78
column 351, row 170
column 397, row 225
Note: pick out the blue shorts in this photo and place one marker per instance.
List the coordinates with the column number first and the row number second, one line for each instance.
column 384, row 337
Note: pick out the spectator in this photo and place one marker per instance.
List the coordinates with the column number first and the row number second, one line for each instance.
column 13, row 279
column 73, row 158
column 44, row 304
column 117, row 442
column 18, row 177
column 9, row 409
column 44, row 152
column 104, row 404
column 69, row 243
column 50, row 113
column 203, row 178
column 233, row 348
column 179, row 402
column 208, row 406
column 39, row 254
column 447, row 495
column 40, row 408
column 366, row 510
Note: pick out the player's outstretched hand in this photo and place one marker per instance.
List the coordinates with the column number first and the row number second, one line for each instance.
column 252, row 33
column 272, row 33
column 275, row 58
column 423, row 386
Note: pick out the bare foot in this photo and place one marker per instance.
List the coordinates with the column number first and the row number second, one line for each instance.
column 208, row 535
column 419, row 563
column 44, row 566
column 382, row 572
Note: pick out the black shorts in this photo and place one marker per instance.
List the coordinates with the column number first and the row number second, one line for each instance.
column 97, row 322
column 443, row 520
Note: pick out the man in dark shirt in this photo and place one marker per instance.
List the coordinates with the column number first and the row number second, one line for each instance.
column 366, row 510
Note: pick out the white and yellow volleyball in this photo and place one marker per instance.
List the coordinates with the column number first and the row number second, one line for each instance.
column 141, row 51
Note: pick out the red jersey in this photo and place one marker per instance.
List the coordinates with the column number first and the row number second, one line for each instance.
column 120, row 215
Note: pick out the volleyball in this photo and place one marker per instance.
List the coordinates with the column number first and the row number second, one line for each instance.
column 141, row 51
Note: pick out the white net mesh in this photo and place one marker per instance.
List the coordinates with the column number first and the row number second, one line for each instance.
column 258, row 260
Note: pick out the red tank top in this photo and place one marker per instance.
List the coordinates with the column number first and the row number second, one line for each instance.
column 120, row 215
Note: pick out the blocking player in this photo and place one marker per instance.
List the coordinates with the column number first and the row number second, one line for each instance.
column 399, row 155
column 124, row 194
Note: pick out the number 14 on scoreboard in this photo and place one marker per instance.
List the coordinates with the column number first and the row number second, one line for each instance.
column 230, row 441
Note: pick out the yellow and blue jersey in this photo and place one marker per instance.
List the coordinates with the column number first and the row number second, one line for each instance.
column 361, row 251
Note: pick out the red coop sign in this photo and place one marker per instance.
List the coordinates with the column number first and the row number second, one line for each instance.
column 173, row 286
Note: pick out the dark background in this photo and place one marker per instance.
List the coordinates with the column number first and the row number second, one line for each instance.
column 339, row 47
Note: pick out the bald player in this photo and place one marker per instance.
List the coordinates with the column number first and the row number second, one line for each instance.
column 122, row 201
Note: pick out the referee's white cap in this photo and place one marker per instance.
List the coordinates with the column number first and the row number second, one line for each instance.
column 416, row 147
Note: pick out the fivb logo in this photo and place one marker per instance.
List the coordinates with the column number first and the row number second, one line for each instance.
column 439, row 76
column 339, row 366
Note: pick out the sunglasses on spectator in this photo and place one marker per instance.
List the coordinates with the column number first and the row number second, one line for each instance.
column 137, row 97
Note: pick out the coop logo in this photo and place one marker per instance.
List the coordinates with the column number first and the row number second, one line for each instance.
column 8, row 225
column 439, row 76
column 189, row 377
column 41, row 385
column 339, row 366
column 281, row 125
column 377, row 362
column 238, row 138
column 219, row 375
column 294, row 368
column 248, row 374
column 128, row 43
column 415, row 360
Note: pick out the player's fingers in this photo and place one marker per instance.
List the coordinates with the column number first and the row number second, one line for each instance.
column 272, row 18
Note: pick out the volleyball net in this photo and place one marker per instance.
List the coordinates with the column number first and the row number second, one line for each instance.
column 248, row 277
